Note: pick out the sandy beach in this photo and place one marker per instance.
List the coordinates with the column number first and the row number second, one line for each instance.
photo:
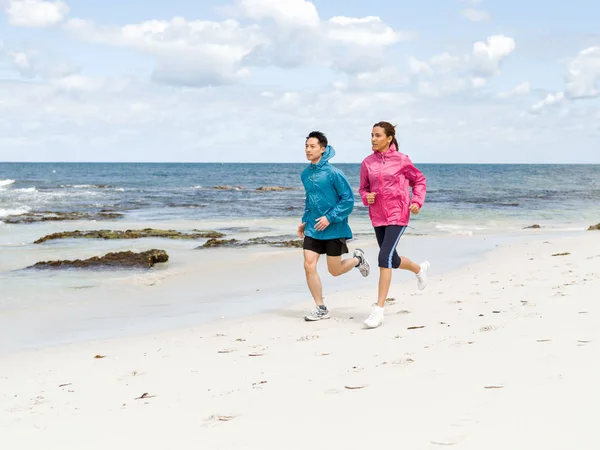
column 496, row 355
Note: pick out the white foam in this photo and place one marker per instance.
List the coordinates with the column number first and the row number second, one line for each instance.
column 4, row 183
column 27, row 190
column 14, row 212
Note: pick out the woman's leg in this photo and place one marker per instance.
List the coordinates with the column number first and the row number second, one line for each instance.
column 388, row 260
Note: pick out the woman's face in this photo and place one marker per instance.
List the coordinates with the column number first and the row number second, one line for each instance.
column 379, row 140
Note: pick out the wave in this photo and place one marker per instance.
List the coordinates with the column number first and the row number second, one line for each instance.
column 4, row 183
column 14, row 212
column 87, row 186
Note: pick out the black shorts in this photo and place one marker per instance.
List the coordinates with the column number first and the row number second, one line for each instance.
column 332, row 247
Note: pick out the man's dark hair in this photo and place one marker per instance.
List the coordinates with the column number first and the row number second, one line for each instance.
column 319, row 137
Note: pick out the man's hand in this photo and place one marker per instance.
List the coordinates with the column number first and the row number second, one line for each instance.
column 371, row 198
column 301, row 230
column 322, row 223
column 414, row 208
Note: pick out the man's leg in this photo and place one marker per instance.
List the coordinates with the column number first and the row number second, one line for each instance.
column 314, row 285
column 337, row 266
column 312, row 277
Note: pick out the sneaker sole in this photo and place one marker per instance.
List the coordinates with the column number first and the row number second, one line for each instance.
column 316, row 319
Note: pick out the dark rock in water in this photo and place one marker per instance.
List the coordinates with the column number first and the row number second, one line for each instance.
column 110, row 260
column 130, row 234
column 228, row 188
column 295, row 243
column 533, row 226
column 51, row 216
column 221, row 243
column 288, row 243
column 274, row 188
column 594, row 227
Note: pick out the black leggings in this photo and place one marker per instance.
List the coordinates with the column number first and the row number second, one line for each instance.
column 388, row 238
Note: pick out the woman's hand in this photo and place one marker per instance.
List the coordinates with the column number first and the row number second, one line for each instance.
column 414, row 208
column 371, row 198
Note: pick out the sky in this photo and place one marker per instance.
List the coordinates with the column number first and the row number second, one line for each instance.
column 464, row 81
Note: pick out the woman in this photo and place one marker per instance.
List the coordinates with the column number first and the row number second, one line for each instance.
column 385, row 177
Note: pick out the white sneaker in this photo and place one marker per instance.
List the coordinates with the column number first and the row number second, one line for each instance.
column 375, row 319
column 422, row 275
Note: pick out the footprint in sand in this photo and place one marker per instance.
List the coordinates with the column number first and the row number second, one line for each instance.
column 488, row 328
column 455, row 432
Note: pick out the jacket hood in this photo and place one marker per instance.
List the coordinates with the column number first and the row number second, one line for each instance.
column 327, row 155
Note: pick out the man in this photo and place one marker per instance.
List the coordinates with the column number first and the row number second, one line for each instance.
column 324, row 228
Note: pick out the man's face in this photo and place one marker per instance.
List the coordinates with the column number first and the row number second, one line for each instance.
column 313, row 149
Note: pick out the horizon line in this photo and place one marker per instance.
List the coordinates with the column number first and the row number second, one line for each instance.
column 294, row 162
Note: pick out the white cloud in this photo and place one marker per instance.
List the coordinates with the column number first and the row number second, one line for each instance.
column 584, row 74
column 363, row 32
column 35, row 13
column 31, row 63
column 476, row 15
column 478, row 82
column 549, row 100
column 288, row 14
column 520, row 89
column 187, row 52
column 489, row 55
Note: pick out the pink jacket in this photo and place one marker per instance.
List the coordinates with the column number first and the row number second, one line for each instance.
column 389, row 175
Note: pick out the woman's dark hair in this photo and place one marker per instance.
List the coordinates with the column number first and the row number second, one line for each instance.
column 390, row 130
column 319, row 137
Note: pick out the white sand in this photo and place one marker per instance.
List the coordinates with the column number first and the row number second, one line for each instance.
column 508, row 359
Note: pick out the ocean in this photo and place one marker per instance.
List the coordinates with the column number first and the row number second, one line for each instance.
column 469, row 209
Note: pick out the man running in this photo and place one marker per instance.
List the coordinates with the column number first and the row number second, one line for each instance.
column 329, row 202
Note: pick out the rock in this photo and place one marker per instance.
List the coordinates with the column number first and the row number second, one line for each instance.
column 594, row 227
column 114, row 260
column 533, row 226
column 295, row 243
column 228, row 188
column 221, row 243
column 274, row 188
column 130, row 234
column 55, row 216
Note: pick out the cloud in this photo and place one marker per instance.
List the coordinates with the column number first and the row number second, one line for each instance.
column 347, row 44
column 520, row 89
column 35, row 13
column 550, row 100
column 288, row 14
column 488, row 55
column 193, row 53
column 581, row 81
column 584, row 75
column 476, row 15
column 33, row 64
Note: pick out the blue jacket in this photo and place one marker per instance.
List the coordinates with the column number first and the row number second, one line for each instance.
column 329, row 194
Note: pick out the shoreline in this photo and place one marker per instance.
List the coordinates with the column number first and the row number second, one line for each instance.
column 484, row 349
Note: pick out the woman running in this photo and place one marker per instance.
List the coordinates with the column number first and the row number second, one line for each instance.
column 385, row 177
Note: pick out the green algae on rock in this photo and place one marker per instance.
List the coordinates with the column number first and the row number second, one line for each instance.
column 594, row 227
column 111, row 260
column 212, row 243
column 130, row 234
column 56, row 216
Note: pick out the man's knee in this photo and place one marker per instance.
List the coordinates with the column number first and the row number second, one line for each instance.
column 310, row 266
column 335, row 271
